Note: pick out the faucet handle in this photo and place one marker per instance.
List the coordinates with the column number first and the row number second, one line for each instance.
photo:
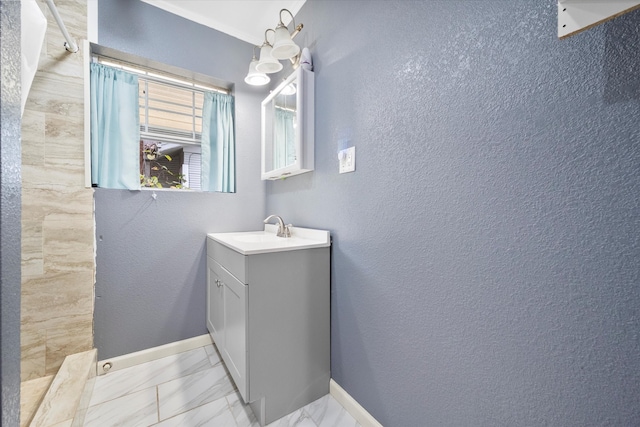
column 287, row 230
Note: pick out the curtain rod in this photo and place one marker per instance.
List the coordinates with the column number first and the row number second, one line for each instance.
column 70, row 44
column 170, row 77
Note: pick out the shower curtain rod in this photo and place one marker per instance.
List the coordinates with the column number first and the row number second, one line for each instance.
column 70, row 44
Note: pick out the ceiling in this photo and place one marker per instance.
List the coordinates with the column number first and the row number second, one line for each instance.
column 244, row 19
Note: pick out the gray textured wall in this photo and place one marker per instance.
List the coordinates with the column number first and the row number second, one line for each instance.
column 486, row 250
column 150, row 279
column 10, row 188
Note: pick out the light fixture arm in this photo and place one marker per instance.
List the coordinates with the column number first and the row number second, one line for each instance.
column 296, row 31
column 266, row 39
column 293, row 19
column 295, row 61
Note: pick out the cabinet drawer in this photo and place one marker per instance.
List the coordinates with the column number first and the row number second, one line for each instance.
column 234, row 262
column 223, row 273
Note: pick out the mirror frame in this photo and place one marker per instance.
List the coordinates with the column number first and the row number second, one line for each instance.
column 304, row 134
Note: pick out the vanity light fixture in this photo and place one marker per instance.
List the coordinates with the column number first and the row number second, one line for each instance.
column 283, row 47
column 267, row 64
column 254, row 77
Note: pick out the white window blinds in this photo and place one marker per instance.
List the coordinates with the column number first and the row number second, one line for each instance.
column 170, row 112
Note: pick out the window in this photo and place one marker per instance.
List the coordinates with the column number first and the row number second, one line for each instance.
column 170, row 111
column 171, row 132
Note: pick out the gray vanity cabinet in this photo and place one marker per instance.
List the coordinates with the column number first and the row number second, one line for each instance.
column 269, row 315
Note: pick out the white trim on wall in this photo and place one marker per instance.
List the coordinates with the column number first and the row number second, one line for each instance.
column 92, row 21
column 352, row 406
column 143, row 356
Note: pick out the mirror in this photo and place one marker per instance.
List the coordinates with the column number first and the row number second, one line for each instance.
column 287, row 127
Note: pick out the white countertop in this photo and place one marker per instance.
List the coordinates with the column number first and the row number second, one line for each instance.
column 265, row 241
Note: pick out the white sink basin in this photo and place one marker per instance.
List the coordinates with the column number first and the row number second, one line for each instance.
column 256, row 237
column 257, row 242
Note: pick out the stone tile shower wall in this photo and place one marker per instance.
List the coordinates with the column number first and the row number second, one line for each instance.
column 58, row 264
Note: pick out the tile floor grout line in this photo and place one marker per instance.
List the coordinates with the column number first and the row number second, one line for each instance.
column 235, row 419
column 158, row 404
column 195, row 407
column 304, row 411
column 128, row 393
column 123, row 395
column 229, row 408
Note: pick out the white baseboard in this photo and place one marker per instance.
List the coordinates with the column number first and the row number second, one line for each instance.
column 352, row 406
column 131, row 359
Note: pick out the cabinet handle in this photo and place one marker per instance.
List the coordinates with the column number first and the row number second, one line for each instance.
column 218, row 283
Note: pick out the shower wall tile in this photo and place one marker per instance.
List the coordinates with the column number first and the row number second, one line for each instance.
column 33, row 128
column 59, row 130
column 57, row 321
column 48, row 298
column 57, row 94
column 58, row 265
column 62, row 62
column 32, row 248
column 33, row 343
column 72, row 337
column 68, row 245
column 64, row 179
column 55, row 204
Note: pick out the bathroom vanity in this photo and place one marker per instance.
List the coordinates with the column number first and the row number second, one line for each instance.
column 268, row 312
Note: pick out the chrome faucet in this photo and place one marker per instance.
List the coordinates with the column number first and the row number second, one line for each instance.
column 283, row 230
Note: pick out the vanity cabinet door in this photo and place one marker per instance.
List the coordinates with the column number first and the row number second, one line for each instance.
column 227, row 308
column 215, row 304
column 235, row 332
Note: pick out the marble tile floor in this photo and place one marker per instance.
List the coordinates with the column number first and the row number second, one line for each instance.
column 191, row 389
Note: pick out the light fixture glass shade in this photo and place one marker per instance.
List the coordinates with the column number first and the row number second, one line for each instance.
column 254, row 77
column 289, row 89
column 267, row 64
column 284, row 47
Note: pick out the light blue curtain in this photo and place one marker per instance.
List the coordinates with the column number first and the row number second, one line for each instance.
column 283, row 139
column 218, row 143
column 115, row 128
